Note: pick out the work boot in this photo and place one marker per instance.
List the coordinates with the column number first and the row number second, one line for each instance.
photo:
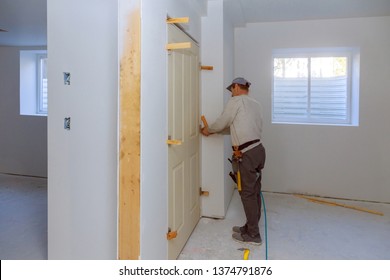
column 247, row 239
column 238, row 229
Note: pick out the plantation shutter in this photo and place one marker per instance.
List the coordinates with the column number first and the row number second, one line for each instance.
column 328, row 98
column 325, row 99
column 311, row 89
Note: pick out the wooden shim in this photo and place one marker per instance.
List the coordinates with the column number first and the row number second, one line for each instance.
column 178, row 20
column 174, row 142
column 339, row 204
column 175, row 46
column 171, row 235
column 203, row 118
column 204, row 67
column 204, row 193
column 129, row 137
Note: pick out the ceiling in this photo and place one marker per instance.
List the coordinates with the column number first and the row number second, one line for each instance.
column 25, row 20
column 251, row 11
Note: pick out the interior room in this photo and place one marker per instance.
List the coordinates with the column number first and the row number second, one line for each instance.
column 97, row 167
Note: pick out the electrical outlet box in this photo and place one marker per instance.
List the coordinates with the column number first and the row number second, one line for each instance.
column 66, row 78
column 67, row 123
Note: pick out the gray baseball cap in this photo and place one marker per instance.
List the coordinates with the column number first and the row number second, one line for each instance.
column 240, row 81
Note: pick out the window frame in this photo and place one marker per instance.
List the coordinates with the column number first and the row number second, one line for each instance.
column 40, row 99
column 352, row 90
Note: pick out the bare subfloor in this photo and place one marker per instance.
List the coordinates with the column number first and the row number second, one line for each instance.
column 23, row 218
column 297, row 228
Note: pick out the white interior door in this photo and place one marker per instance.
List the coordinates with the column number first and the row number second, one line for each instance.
column 183, row 158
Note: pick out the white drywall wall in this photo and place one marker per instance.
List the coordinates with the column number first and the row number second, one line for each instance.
column 92, row 62
column 154, row 123
column 336, row 161
column 82, row 40
column 228, row 76
column 211, row 107
column 217, row 51
column 23, row 139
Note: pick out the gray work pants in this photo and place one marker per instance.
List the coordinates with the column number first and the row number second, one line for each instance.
column 251, row 164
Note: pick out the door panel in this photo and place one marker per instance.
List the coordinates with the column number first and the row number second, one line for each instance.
column 178, row 191
column 194, row 194
column 183, row 125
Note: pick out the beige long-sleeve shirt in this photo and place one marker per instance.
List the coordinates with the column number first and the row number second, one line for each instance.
column 243, row 116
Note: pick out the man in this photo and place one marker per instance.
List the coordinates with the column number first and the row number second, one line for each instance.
column 242, row 118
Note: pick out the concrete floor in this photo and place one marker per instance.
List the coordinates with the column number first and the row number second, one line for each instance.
column 23, row 218
column 297, row 228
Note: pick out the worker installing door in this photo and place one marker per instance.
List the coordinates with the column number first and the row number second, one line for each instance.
column 184, row 161
column 242, row 119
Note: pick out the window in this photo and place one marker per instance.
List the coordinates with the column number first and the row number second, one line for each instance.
column 315, row 86
column 33, row 82
column 42, row 84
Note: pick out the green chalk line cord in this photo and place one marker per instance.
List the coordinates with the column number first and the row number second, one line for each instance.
column 265, row 226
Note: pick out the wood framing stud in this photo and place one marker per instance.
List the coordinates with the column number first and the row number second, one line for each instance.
column 175, row 46
column 129, row 125
column 178, row 20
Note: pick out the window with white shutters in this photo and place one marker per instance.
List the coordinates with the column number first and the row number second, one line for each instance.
column 315, row 86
